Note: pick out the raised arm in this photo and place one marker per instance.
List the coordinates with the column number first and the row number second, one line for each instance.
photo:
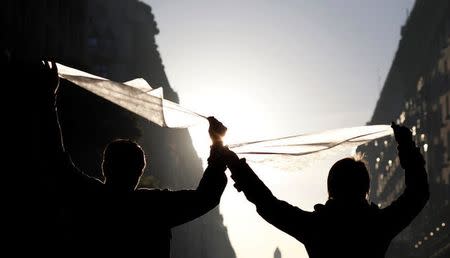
column 286, row 217
column 61, row 165
column 179, row 207
column 48, row 80
column 416, row 194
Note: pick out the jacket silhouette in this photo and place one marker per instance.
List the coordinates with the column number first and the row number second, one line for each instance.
column 114, row 217
column 135, row 222
column 344, row 226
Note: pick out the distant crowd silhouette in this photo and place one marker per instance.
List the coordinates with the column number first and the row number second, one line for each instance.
column 347, row 225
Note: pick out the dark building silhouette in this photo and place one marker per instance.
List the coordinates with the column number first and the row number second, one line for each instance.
column 115, row 39
column 417, row 93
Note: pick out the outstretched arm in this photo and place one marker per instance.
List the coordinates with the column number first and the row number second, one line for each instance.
column 416, row 194
column 281, row 214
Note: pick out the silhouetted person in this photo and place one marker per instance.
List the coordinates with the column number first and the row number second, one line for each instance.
column 115, row 217
column 347, row 225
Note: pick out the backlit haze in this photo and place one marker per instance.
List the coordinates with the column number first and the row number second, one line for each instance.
column 276, row 68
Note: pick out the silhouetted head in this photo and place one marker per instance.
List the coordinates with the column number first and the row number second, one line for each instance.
column 123, row 164
column 348, row 180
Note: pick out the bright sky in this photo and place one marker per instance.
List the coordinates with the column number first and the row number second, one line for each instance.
column 274, row 68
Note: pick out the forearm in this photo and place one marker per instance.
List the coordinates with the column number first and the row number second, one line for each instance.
column 186, row 205
column 403, row 210
column 54, row 136
column 412, row 161
column 212, row 184
column 46, row 119
column 47, row 149
column 61, row 162
column 248, row 182
column 280, row 214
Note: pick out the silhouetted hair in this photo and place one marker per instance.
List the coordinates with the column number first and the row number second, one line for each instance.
column 348, row 179
column 123, row 159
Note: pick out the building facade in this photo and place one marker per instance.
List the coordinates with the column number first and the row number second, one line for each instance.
column 416, row 93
